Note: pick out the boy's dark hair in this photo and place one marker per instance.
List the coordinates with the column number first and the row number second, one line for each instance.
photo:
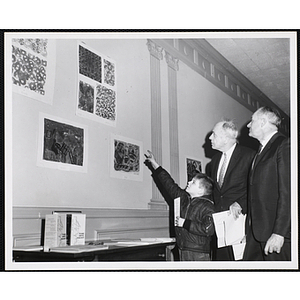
column 206, row 181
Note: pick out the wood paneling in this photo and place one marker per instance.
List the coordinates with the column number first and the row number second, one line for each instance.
column 101, row 223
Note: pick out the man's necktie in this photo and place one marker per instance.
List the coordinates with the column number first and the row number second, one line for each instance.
column 222, row 171
column 257, row 153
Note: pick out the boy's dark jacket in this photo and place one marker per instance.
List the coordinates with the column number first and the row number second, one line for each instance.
column 195, row 235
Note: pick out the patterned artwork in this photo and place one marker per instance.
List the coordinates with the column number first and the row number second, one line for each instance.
column 90, row 64
column 33, row 67
column 106, row 103
column 193, row 166
column 63, row 143
column 126, row 160
column 36, row 45
column 97, row 94
column 109, row 73
column 28, row 70
column 86, row 97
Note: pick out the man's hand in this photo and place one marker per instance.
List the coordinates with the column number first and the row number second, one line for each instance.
column 274, row 243
column 179, row 222
column 235, row 209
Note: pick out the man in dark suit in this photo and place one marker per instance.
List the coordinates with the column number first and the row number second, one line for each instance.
column 268, row 227
column 229, row 171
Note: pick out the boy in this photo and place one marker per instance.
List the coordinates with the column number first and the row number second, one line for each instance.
column 194, row 227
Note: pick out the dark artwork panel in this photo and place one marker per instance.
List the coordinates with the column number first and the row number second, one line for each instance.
column 86, row 97
column 193, row 167
column 106, row 103
column 109, row 72
column 89, row 64
column 28, row 70
column 63, row 143
column 126, row 157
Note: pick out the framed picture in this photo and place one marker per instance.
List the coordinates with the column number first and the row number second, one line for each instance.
column 33, row 67
column 97, row 93
column 126, row 158
column 62, row 144
column 193, row 166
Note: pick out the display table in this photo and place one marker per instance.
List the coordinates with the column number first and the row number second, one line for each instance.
column 113, row 250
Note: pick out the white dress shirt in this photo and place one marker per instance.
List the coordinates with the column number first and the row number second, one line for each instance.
column 228, row 156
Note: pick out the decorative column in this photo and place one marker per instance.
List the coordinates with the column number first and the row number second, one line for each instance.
column 157, row 201
column 173, row 115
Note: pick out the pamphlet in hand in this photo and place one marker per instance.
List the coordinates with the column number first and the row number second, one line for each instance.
column 230, row 232
column 176, row 208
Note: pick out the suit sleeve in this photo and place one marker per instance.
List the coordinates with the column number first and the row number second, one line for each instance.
column 164, row 179
column 283, row 214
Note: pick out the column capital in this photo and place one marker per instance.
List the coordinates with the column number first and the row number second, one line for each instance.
column 155, row 50
column 172, row 61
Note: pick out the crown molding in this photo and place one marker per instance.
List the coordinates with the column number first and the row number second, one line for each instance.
column 199, row 55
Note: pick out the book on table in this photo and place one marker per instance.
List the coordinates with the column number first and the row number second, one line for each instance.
column 64, row 228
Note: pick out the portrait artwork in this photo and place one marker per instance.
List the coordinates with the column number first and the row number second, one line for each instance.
column 33, row 63
column 62, row 144
column 126, row 158
column 193, row 166
column 97, row 94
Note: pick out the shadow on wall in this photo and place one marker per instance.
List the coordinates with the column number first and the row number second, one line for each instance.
column 244, row 139
column 209, row 152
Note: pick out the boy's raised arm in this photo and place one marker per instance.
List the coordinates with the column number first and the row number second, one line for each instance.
column 150, row 157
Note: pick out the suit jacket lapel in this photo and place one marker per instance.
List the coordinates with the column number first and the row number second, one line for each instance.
column 215, row 168
column 265, row 149
column 234, row 158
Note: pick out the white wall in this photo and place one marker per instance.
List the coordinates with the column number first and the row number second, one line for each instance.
column 200, row 106
column 38, row 190
column 33, row 185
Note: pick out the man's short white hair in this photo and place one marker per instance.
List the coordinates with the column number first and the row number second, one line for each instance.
column 230, row 128
column 271, row 114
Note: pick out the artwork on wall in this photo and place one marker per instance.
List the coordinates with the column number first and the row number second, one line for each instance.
column 126, row 158
column 193, row 166
column 33, row 68
column 97, row 93
column 62, row 144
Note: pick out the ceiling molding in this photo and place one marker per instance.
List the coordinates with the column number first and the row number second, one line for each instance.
column 199, row 55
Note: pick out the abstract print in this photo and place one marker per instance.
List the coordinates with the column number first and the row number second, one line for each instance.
column 29, row 70
column 109, row 73
column 89, row 64
column 63, row 143
column 36, row 45
column 106, row 103
column 193, row 167
column 126, row 157
column 86, row 97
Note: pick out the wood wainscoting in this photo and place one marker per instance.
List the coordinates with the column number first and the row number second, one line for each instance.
column 101, row 223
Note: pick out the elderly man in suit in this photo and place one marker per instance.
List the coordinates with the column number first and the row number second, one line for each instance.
column 268, row 227
column 229, row 171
